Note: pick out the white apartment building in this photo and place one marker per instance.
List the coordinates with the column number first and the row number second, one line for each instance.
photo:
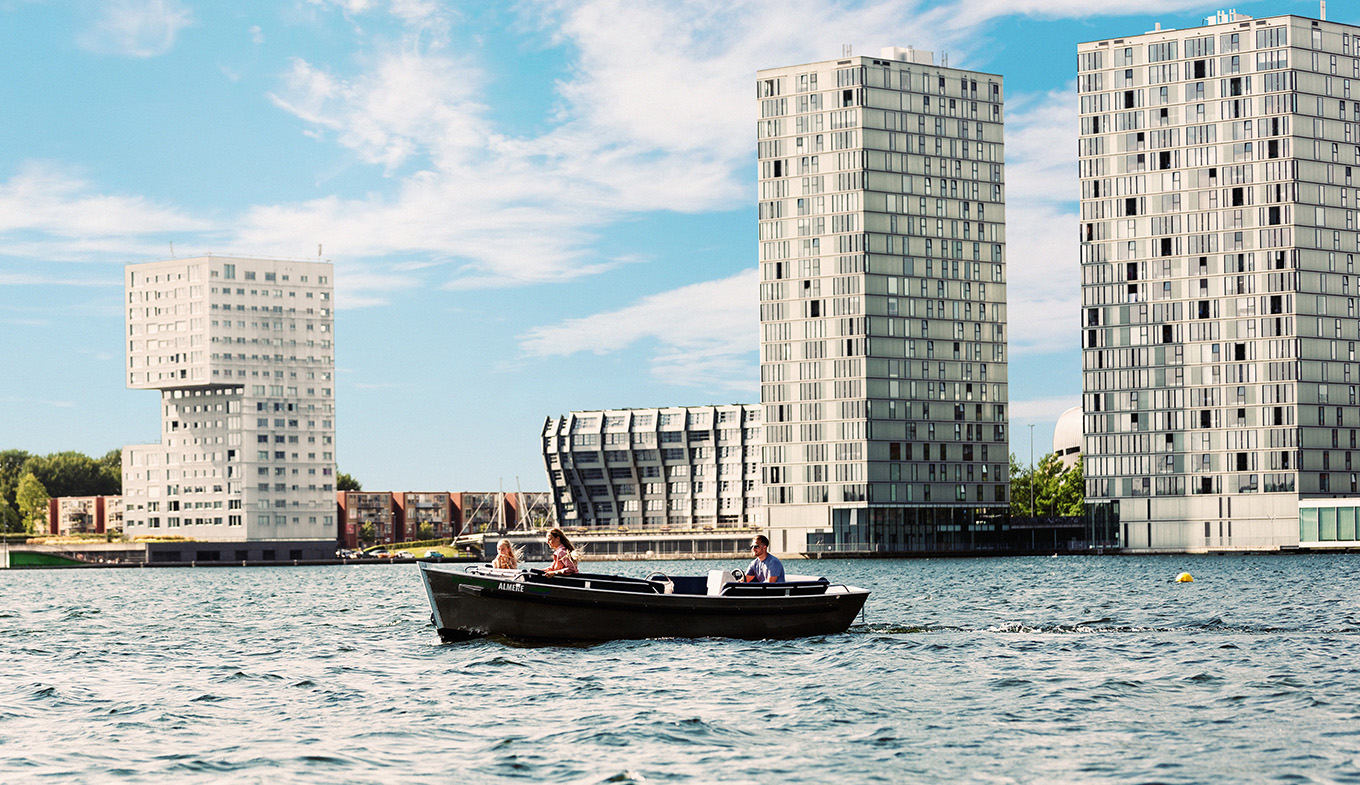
column 242, row 353
column 676, row 468
column 1220, row 179
column 882, row 303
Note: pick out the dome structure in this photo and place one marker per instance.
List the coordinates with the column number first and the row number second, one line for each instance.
column 1067, row 437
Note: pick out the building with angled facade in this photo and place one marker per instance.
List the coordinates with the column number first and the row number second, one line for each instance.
column 658, row 469
column 882, row 303
column 241, row 354
column 1220, row 179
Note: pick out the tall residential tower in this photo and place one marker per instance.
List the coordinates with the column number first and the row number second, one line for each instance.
column 242, row 353
column 882, row 302
column 1220, row 176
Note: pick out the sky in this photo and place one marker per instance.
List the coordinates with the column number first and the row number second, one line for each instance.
column 533, row 207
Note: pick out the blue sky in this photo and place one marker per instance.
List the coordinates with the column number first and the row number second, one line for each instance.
column 532, row 207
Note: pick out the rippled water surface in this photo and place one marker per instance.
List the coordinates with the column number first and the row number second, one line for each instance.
column 1073, row 669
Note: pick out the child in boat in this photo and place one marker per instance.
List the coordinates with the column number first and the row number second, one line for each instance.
column 564, row 554
column 507, row 556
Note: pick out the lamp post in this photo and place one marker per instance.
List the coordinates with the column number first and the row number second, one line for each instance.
column 1031, row 471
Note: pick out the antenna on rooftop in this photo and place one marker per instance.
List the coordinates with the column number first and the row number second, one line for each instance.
column 845, row 50
column 318, row 250
column 172, row 250
column 944, row 59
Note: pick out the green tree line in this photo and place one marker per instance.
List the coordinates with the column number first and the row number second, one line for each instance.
column 1055, row 490
column 27, row 481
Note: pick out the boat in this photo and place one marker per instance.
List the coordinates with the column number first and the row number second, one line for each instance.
column 478, row 601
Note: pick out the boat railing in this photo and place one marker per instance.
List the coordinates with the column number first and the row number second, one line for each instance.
column 487, row 571
column 785, row 589
column 586, row 580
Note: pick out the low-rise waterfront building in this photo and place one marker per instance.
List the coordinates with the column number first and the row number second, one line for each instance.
column 657, row 469
column 398, row 516
column 415, row 511
column 84, row 515
column 357, row 509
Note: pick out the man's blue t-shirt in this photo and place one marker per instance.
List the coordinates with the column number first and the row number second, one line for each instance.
column 764, row 570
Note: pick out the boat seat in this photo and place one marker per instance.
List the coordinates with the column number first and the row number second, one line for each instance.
column 688, row 584
column 717, row 579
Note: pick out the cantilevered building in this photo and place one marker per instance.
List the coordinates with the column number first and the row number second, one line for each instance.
column 882, row 303
column 241, row 352
column 1220, row 176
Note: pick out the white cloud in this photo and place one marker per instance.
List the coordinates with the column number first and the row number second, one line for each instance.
column 412, row 102
column 971, row 13
column 1040, row 410
column 655, row 112
column 1043, row 289
column 654, row 115
column 32, row 279
column 52, row 213
column 136, row 28
column 54, row 403
column 704, row 334
column 362, row 288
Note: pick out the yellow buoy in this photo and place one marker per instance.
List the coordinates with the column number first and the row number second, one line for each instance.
column 1184, row 578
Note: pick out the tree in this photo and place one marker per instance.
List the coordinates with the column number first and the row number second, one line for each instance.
column 426, row 531
column 1072, row 491
column 1056, row 490
column 32, row 498
column 11, row 470
column 112, row 467
column 367, row 533
column 345, row 482
column 9, row 519
column 73, row 474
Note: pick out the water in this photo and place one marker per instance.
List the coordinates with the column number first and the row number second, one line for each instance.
column 1072, row 669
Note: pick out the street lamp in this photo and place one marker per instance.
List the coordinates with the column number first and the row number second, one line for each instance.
column 1031, row 471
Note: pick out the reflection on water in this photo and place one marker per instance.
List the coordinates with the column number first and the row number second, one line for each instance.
column 1073, row 669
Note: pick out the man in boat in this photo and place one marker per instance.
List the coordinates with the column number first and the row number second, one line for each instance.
column 764, row 567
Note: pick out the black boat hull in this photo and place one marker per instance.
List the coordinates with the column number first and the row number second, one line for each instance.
column 467, row 605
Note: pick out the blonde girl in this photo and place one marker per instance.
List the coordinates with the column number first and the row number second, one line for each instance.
column 507, row 556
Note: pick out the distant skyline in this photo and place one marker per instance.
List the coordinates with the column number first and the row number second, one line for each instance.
column 531, row 209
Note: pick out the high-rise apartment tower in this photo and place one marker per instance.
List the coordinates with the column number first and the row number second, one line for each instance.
column 1220, row 179
column 242, row 353
column 882, row 303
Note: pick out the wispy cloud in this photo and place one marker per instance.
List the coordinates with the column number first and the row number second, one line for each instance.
column 499, row 209
column 704, row 334
column 971, row 13
column 136, row 28
column 54, row 403
column 31, row 279
column 49, row 212
column 1040, row 410
column 362, row 288
column 1043, row 290
column 653, row 113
